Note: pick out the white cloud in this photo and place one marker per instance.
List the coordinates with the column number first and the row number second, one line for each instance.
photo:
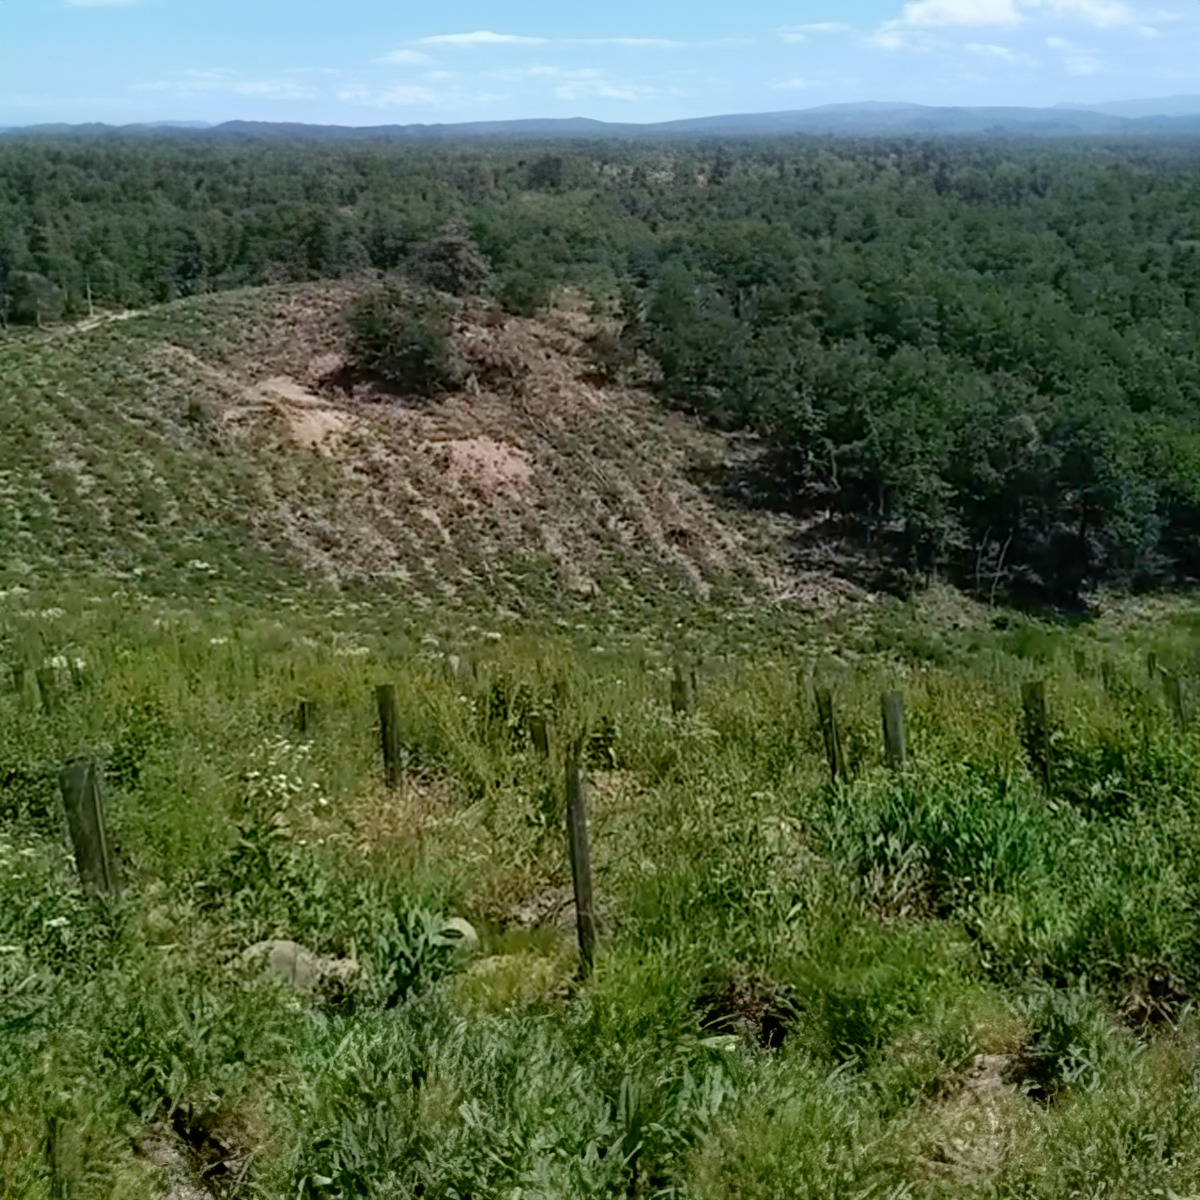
column 801, row 33
column 789, row 85
column 408, row 96
column 1078, row 60
column 101, row 3
column 1102, row 13
column 960, row 12
column 1148, row 31
column 601, row 89
column 891, row 37
column 1004, row 53
column 918, row 14
column 651, row 43
column 404, row 57
column 481, row 37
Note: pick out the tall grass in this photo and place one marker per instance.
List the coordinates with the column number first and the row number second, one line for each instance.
column 802, row 988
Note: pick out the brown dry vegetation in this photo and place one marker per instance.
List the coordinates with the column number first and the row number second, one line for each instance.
column 532, row 463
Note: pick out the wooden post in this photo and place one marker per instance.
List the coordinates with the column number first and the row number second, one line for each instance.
column 831, row 735
column 389, row 732
column 48, row 687
column 1108, row 673
column 1080, row 663
column 539, row 734
column 895, row 736
column 18, row 679
column 1152, row 664
column 581, row 859
column 83, row 800
column 306, row 716
column 1173, row 689
column 681, row 699
column 1036, row 728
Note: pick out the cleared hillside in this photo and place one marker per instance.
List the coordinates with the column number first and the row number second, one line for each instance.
column 220, row 440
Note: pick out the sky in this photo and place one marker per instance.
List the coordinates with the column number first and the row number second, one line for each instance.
column 374, row 62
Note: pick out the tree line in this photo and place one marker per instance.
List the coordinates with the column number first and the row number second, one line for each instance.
column 982, row 353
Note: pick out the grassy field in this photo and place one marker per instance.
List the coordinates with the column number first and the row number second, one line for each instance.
column 945, row 982
column 952, row 981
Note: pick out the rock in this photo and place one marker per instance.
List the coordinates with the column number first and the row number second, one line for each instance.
column 460, row 930
column 304, row 970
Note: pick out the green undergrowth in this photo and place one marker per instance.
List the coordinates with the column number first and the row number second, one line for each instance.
column 946, row 981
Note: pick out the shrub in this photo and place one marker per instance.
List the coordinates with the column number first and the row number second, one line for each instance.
column 403, row 341
column 451, row 261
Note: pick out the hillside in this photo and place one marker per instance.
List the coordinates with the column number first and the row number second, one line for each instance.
column 1177, row 116
column 217, row 440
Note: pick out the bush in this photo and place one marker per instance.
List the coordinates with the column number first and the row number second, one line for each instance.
column 403, row 341
column 28, row 298
column 451, row 261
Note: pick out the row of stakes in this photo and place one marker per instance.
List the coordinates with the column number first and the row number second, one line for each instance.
column 83, row 796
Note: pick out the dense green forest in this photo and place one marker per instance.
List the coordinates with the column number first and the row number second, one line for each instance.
column 983, row 355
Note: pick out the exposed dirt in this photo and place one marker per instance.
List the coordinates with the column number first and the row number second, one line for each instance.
column 758, row 1010
column 977, row 1122
column 533, row 476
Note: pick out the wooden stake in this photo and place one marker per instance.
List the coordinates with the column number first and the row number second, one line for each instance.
column 83, row 800
column 306, row 717
column 48, row 687
column 831, row 735
column 681, row 698
column 1173, row 689
column 389, row 733
column 1108, row 673
column 1036, row 728
column 895, row 735
column 539, row 734
column 581, row 859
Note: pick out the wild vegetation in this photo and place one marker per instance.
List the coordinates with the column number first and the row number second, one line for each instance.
column 451, row 468
column 983, row 354
column 942, row 982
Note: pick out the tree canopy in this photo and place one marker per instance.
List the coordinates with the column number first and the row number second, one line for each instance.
column 983, row 352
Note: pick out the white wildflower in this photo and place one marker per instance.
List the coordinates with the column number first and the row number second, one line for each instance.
column 58, row 922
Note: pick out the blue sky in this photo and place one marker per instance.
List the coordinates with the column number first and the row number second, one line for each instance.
column 372, row 62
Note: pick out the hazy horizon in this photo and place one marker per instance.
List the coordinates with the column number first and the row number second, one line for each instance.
column 358, row 63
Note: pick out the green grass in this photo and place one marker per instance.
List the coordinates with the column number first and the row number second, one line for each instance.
column 796, row 980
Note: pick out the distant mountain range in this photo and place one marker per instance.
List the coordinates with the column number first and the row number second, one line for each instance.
column 1172, row 115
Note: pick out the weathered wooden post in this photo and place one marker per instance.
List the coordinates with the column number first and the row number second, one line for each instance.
column 389, row 732
column 581, row 858
column 83, row 800
column 18, row 679
column 307, row 716
column 1173, row 689
column 681, row 695
column 895, row 736
column 1151, row 664
column 831, row 735
column 48, row 688
column 1036, row 729
column 1108, row 673
column 539, row 734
